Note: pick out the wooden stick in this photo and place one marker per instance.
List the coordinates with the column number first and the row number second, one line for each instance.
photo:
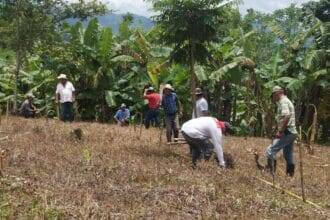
column 179, row 139
column 7, row 110
column 141, row 125
column 176, row 143
column 290, row 193
column 301, row 167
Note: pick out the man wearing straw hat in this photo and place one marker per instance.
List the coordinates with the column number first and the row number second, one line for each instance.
column 65, row 95
column 171, row 106
column 286, row 132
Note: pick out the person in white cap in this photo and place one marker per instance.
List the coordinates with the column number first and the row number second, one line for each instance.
column 122, row 115
column 172, row 107
column 65, row 96
column 203, row 134
column 202, row 107
column 28, row 110
column 152, row 115
column 286, row 132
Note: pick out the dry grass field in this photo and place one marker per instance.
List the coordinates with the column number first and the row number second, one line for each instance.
column 113, row 173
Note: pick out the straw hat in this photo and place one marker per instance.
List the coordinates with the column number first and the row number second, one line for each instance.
column 198, row 91
column 277, row 89
column 62, row 76
column 168, row 86
column 123, row 105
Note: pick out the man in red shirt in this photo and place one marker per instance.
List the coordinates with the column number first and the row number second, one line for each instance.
column 152, row 115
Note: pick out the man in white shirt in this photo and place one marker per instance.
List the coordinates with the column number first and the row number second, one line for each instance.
column 202, row 107
column 204, row 133
column 65, row 95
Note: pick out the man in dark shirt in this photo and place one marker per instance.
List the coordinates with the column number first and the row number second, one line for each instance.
column 171, row 106
column 28, row 110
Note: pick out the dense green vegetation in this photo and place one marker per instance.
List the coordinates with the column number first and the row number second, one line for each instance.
column 236, row 59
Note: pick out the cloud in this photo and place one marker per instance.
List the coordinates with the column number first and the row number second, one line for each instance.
column 268, row 5
column 139, row 7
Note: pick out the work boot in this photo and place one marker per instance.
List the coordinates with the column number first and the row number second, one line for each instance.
column 271, row 165
column 290, row 170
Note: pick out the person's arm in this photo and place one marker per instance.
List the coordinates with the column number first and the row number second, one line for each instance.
column 73, row 93
column 128, row 114
column 216, row 137
column 57, row 94
column 179, row 106
column 145, row 96
column 116, row 116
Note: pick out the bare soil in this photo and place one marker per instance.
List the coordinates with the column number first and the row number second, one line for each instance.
column 112, row 172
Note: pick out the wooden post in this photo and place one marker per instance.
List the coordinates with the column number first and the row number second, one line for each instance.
column 301, row 167
column 141, row 125
column 7, row 110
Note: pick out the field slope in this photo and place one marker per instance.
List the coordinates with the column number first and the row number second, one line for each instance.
column 114, row 173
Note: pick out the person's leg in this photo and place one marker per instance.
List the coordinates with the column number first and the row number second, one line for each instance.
column 157, row 118
column 195, row 150
column 174, row 127
column 206, row 148
column 168, row 124
column 62, row 111
column 70, row 111
column 288, row 155
column 148, row 119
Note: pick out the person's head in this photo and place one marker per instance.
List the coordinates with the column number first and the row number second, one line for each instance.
column 30, row 97
column 198, row 93
column 62, row 78
column 123, row 106
column 150, row 90
column 226, row 127
column 277, row 93
column 167, row 89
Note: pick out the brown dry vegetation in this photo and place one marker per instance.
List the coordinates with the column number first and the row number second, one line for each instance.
column 110, row 173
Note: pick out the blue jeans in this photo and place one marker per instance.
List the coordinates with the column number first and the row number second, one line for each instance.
column 152, row 117
column 286, row 143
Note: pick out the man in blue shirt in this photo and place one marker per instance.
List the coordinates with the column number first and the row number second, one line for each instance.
column 122, row 115
column 171, row 106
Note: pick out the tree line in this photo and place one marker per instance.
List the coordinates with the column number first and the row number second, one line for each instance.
column 235, row 58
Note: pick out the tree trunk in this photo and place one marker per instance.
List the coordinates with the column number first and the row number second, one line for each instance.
column 193, row 81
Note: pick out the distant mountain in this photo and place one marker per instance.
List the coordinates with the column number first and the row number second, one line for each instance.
column 113, row 20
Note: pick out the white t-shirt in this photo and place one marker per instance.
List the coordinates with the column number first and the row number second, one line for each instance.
column 201, row 105
column 66, row 92
column 206, row 128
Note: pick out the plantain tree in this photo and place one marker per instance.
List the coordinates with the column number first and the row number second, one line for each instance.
column 24, row 23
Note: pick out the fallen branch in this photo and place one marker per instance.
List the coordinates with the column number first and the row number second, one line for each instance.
column 290, row 193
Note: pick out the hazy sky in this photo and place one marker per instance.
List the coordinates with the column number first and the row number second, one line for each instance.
column 143, row 8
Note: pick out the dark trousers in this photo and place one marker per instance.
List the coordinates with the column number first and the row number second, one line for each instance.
column 171, row 126
column 28, row 114
column 198, row 148
column 67, row 111
column 152, row 117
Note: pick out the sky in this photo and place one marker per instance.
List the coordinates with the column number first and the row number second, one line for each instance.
column 141, row 7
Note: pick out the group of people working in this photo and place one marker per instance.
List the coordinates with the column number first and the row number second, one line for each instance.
column 203, row 133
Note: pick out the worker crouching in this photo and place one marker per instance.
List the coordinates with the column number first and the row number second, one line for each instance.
column 205, row 134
